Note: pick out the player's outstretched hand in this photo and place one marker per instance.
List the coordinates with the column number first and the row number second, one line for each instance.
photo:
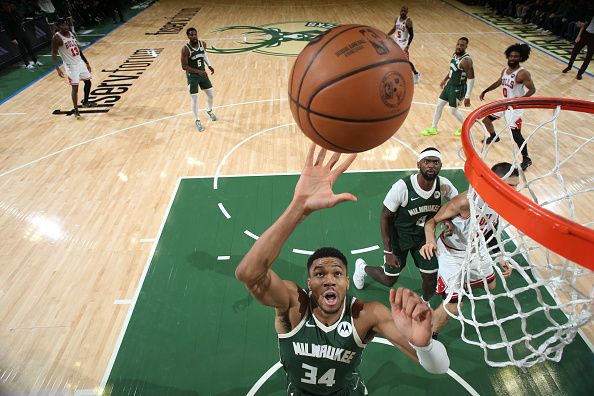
column 482, row 96
column 427, row 250
column 466, row 102
column 314, row 188
column 211, row 69
column 506, row 269
column 60, row 72
column 411, row 316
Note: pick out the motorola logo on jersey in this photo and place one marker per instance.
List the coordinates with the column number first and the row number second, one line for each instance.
column 277, row 39
column 344, row 329
column 119, row 81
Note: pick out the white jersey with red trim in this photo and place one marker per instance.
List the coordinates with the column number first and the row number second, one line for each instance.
column 401, row 32
column 69, row 51
column 511, row 87
column 458, row 241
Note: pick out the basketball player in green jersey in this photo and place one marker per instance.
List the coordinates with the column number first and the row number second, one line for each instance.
column 410, row 202
column 323, row 332
column 193, row 61
column 456, row 85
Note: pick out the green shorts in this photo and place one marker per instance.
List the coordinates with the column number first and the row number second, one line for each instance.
column 195, row 81
column 425, row 266
column 453, row 94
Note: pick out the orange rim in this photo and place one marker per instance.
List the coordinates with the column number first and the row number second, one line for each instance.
column 560, row 235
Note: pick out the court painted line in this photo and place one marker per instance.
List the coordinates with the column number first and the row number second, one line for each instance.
column 209, row 39
column 224, row 211
column 301, row 251
column 137, row 292
column 264, row 378
column 367, row 249
column 123, row 130
column 251, row 234
column 378, row 340
column 222, row 258
column 147, row 240
column 122, row 302
column 11, row 114
column 88, row 392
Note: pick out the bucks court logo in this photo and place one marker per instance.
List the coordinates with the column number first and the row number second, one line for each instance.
column 278, row 39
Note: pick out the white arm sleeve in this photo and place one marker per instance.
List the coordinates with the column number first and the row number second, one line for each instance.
column 206, row 60
column 397, row 196
column 469, row 85
column 433, row 357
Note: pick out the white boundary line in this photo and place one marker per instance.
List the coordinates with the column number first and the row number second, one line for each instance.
column 224, row 211
column 378, row 340
column 12, row 114
column 251, row 234
column 301, row 251
column 364, row 250
column 137, row 291
column 223, row 258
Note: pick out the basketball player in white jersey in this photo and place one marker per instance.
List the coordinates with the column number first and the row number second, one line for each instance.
column 514, row 79
column 75, row 64
column 451, row 248
column 403, row 35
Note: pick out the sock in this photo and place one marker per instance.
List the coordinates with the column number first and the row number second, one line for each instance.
column 519, row 139
column 195, row 105
column 210, row 98
column 87, row 90
column 437, row 115
column 456, row 113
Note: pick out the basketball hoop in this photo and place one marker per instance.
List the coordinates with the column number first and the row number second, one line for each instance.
column 544, row 234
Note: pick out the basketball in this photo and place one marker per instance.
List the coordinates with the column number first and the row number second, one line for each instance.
column 350, row 88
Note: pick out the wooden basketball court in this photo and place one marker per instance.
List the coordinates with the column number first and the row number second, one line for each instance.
column 84, row 201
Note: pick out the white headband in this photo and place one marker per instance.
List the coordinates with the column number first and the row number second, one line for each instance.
column 430, row 153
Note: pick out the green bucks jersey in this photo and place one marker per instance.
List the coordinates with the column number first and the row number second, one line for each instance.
column 196, row 57
column 457, row 75
column 323, row 360
column 409, row 220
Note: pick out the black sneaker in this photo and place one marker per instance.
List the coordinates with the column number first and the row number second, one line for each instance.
column 526, row 162
column 490, row 139
column 568, row 68
column 76, row 114
column 86, row 103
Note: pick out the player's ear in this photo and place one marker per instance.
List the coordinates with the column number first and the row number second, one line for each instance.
column 308, row 282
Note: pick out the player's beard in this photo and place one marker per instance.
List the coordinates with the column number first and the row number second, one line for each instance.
column 429, row 177
column 513, row 64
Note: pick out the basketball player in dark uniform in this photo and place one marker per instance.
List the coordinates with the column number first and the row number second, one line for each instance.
column 323, row 331
column 410, row 202
column 193, row 61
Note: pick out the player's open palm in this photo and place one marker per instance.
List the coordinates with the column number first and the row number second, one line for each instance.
column 428, row 250
column 411, row 316
column 314, row 188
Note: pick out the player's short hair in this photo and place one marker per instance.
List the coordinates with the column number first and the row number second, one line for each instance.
column 501, row 169
column 62, row 21
column 465, row 39
column 522, row 49
column 326, row 252
column 190, row 29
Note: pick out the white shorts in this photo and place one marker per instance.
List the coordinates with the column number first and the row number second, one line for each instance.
column 77, row 72
column 512, row 117
column 449, row 275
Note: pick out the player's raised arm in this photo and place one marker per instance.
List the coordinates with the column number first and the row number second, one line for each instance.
column 407, row 325
column 313, row 192
column 457, row 206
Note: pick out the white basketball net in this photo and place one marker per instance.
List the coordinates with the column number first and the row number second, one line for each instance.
column 531, row 315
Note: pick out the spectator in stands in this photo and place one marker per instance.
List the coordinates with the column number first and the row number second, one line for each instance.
column 13, row 23
column 584, row 38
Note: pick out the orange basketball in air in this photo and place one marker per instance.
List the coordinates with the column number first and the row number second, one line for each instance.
column 350, row 88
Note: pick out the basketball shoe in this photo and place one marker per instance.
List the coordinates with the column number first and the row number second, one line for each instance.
column 199, row 126
column 211, row 115
column 359, row 275
column 429, row 132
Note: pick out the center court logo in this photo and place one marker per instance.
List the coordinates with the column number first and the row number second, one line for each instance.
column 277, row 39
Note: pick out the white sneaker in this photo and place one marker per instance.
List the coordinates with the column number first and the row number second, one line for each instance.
column 416, row 78
column 38, row 63
column 30, row 66
column 360, row 274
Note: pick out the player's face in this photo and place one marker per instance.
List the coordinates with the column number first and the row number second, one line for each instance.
column 513, row 60
column 63, row 27
column 403, row 12
column 429, row 167
column 328, row 282
column 193, row 36
column 461, row 46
